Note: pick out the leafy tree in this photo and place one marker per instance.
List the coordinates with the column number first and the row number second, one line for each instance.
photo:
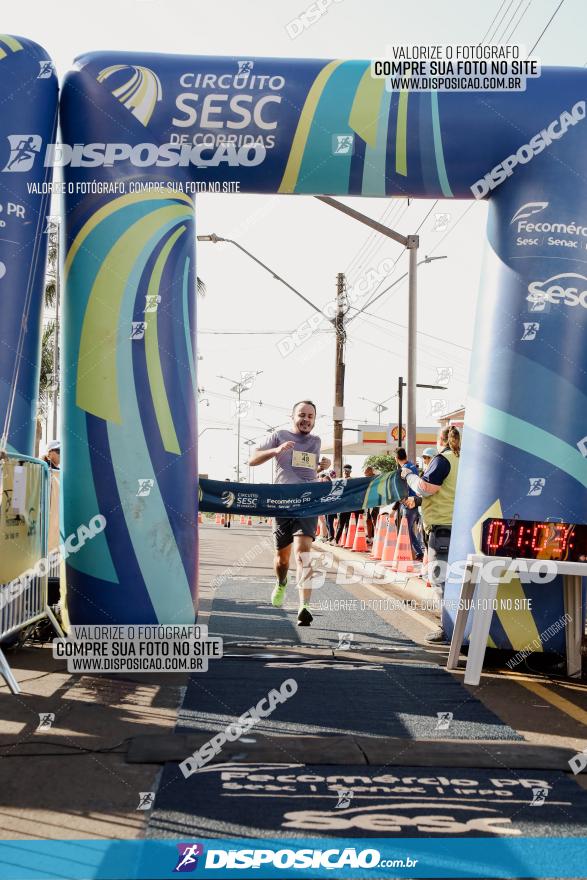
column 382, row 463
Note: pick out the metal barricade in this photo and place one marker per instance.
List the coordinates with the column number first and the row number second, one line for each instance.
column 24, row 562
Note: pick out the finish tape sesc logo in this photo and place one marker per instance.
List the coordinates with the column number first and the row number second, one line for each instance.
column 568, row 288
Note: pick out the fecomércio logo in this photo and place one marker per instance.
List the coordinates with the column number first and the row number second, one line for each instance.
column 24, row 149
column 188, row 857
column 568, row 288
column 527, row 210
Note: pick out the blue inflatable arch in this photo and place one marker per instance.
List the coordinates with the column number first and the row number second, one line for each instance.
column 142, row 131
column 28, row 96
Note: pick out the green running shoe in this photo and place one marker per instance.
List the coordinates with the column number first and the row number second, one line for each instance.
column 278, row 594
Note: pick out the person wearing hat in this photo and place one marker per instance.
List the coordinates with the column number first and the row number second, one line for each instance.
column 427, row 456
column 437, row 488
column 344, row 517
column 53, row 454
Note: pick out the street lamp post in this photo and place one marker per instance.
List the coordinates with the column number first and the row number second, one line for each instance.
column 411, row 243
column 379, row 407
column 249, row 443
column 244, row 385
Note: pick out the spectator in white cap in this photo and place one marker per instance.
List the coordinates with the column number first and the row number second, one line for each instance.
column 53, row 454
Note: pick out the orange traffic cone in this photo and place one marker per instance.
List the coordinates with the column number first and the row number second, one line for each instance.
column 379, row 542
column 390, row 542
column 250, row 520
column 403, row 559
column 242, row 519
column 317, row 533
column 360, row 542
column 335, row 524
column 222, row 520
column 217, row 519
column 200, row 518
column 342, row 539
column 351, row 533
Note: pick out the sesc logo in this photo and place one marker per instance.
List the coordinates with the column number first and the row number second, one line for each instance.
column 140, row 91
column 568, row 288
column 227, row 498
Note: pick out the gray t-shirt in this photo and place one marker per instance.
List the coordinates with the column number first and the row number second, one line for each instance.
column 297, row 465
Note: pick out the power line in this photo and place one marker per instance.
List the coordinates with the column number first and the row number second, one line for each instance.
column 499, row 38
column 500, row 21
column 548, row 23
column 512, row 32
column 419, row 332
column 492, row 20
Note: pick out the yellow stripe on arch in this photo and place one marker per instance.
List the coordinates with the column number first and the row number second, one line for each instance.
column 519, row 625
column 111, row 208
column 11, row 42
column 97, row 379
column 296, row 153
column 366, row 109
column 154, row 370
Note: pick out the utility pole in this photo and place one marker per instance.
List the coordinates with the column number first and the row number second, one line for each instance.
column 339, row 366
column 400, row 412
column 412, row 245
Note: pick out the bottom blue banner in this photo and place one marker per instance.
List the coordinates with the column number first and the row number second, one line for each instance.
column 485, row 858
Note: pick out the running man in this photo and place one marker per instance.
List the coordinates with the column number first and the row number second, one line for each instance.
column 296, row 454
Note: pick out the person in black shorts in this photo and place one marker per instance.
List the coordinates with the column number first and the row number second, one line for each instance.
column 296, row 453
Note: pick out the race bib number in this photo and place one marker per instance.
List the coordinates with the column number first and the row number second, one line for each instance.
column 303, row 459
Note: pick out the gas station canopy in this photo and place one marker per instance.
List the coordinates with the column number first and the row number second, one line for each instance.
column 382, row 439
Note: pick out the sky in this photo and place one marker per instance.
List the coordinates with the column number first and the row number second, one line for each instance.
column 246, row 312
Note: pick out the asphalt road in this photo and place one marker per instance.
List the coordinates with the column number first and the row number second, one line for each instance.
column 378, row 738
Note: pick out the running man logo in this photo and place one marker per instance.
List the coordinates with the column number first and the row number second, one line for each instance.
column 530, row 331
column 46, row 720
column 138, row 330
column 344, row 641
column 46, row 70
column 23, row 151
column 145, row 487
column 227, row 498
column 139, row 93
column 188, row 856
column 443, row 375
column 539, row 796
column 336, row 491
column 146, row 800
column 344, row 800
column 151, row 302
column 343, row 144
column 444, row 719
column 537, row 484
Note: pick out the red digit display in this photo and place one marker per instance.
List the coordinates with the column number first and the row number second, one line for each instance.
column 530, row 539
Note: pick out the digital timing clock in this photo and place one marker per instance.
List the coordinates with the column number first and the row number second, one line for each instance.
column 530, row 539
